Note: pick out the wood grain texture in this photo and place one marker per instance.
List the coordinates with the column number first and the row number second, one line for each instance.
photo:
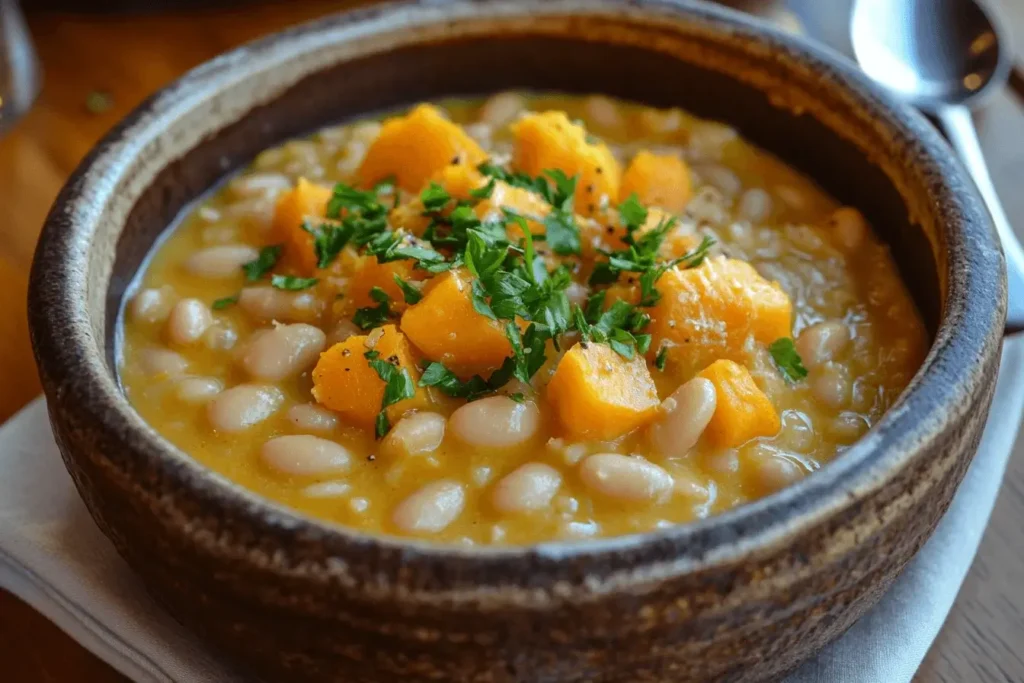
column 129, row 57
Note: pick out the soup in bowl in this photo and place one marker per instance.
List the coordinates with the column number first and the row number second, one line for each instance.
column 278, row 510
column 517, row 320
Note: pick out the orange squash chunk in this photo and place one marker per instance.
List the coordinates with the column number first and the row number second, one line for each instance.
column 369, row 273
column 661, row 181
column 709, row 312
column 412, row 148
column 742, row 411
column 304, row 202
column 599, row 395
column 550, row 140
column 344, row 382
column 445, row 327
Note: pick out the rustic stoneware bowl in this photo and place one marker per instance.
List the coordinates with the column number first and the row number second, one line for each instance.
column 745, row 596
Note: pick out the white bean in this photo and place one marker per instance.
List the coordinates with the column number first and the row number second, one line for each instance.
column 162, row 362
column 266, row 303
column 414, row 434
column 774, row 472
column 259, row 185
column 822, row 342
column 603, row 112
column 495, row 422
column 755, row 205
column 830, row 384
column 189, row 320
column 152, row 305
column 328, row 489
column 222, row 261
column 625, row 478
column 682, row 418
column 849, row 227
column 305, row 455
column 342, row 330
column 527, row 488
column 197, row 389
column 431, row 509
column 501, row 109
column 283, row 352
column 238, row 408
column 309, row 417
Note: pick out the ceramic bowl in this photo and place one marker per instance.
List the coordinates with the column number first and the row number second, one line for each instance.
column 744, row 596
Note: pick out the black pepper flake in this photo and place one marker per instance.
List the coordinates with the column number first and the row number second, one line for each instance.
column 348, row 369
column 610, row 228
column 599, row 170
column 590, row 188
column 456, row 160
column 591, row 207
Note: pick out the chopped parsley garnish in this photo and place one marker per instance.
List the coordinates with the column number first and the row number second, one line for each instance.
column 398, row 386
column 220, row 304
column 434, row 198
column 292, row 283
column 410, row 293
column 787, row 359
column 264, row 263
column 518, row 397
column 484, row 192
column 328, row 241
column 648, row 294
column 437, row 375
column 662, row 358
column 374, row 316
column 633, row 215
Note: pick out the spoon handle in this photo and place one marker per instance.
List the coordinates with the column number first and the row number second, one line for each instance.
column 959, row 126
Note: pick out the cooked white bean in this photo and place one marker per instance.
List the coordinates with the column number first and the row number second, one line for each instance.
column 660, row 121
column 603, row 112
column 495, row 422
column 501, row 109
column 682, row 417
column 266, row 303
column 625, row 477
column 849, row 227
column 283, row 351
column 305, row 455
column 222, row 261
column 342, row 330
column 775, row 471
column 328, row 489
column 527, row 488
column 414, row 434
column 219, row 233
column 197, row 389
column 259, row 185
column 723, row 179
column 221, row 336
column 238, row 408
column 431, row 509
column 189, row 320
column 365, row 132
column 755, row 205
column 152, row 305
column 309, row 417
column 830, row 384
column 822, row 342
column 162, row 362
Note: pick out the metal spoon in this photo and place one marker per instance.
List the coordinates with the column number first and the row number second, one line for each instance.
column 943, row 56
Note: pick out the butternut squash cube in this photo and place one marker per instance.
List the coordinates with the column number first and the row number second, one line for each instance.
column 742, row 411
column 306, row 201
column 369, row 273
column 599, row 395
column 412, row 148
column 549, row 140
column 658, row 180
column 344, row 381
column 445, row 327
column 709, row 312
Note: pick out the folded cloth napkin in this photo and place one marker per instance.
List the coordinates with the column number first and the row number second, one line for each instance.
column 54, row 558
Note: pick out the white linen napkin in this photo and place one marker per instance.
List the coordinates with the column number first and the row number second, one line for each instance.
column 55, row 559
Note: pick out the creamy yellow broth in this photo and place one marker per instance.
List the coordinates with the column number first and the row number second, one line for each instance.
column 757, row 209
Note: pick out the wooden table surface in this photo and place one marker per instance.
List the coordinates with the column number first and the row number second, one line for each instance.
column 126, row 58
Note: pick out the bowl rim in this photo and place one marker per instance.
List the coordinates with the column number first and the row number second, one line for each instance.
column 932, row 400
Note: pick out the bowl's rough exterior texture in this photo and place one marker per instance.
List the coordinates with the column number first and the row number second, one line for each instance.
column 745, row 596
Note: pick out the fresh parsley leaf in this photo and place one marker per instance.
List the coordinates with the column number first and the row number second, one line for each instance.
column 562, row 232
column 346, row 198
column 484, row 192
column 787, row 359
column 220, row 304
column 387, row 186
column 374, row 316
column 518, row 397
column 409, row 292
column 398, row 386
column 649, row 295
column 562, row 197
column 264, row 263
column 437, row 375
column 479, row 296
column 633, row 215
column 662, row 358
column 434, row 198
column 328, row 241
column 292, row 283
